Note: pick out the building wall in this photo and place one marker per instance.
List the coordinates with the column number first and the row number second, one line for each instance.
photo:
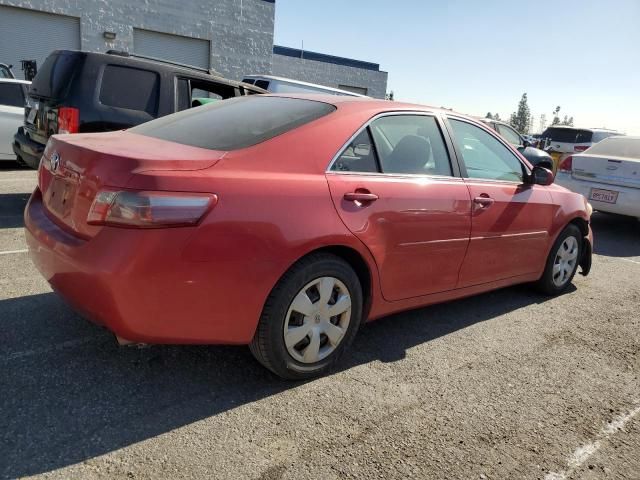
column 240, row 31
column 329, row 74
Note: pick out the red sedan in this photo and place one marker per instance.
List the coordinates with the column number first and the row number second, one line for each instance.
column 286, row 222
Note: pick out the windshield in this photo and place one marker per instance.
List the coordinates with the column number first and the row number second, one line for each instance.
column 628, row 147
column 235, row 123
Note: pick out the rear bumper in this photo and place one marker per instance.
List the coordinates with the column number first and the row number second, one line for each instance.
column 627, row 203
column 28, row 150
column 136, row 283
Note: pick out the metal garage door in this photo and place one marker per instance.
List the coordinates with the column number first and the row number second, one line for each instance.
column 186, row 50
column 31, row 35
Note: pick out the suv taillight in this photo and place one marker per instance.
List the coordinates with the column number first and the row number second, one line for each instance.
column 68, row 120
column 126, row 208
column 566, row 165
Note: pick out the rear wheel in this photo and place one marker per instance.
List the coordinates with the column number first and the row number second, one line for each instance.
column 562, row 262
column 310, row 318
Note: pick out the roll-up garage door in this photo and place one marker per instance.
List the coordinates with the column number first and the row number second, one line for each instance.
column 31, row 35
column 186, row 50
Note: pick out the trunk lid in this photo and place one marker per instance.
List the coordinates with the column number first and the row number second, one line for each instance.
column 621, row 171
column 76, row 167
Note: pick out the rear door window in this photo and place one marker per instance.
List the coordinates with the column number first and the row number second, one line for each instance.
column 359, row 156
column 11, row 94
column 235, row 123
column 130, row 88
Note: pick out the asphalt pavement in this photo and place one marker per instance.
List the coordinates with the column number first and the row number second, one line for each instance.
column 509, row 384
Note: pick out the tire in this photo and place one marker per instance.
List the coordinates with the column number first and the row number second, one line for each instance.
column 554, row 282
column 307, row 280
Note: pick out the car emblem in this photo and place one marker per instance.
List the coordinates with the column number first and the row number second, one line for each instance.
column 55, row 161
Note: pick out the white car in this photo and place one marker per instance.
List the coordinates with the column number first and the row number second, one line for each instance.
column 12, row 100
column 607, row 174
column 288, row 85
column 561, row 141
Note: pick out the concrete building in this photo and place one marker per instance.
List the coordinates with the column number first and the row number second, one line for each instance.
column 232, row 37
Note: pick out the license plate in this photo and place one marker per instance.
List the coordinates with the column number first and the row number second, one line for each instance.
column 606, row 196
column 32, row 113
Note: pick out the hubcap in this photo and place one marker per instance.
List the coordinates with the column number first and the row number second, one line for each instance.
column 317, row 320
column 565, row 261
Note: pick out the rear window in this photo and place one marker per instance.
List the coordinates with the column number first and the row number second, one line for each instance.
column 617, row 147
column 235, row 123
column 11, row 94
column 568, row 135
column 130, row 88
column 54, row 76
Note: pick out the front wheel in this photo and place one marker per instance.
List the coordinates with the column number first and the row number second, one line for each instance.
column 562, row 262
column 310, row 318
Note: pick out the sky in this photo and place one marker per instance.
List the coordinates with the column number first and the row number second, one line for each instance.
column 480, row 56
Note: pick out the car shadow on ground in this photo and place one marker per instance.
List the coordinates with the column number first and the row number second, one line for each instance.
column 12, row 209
column 70, row 394
column 615, row 235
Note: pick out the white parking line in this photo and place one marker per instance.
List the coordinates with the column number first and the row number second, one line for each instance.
column 581, row 454
column 11, row 252
column 629, row 260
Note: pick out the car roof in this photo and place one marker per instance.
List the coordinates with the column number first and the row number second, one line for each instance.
column 568, row 127
column 160, row 63
column 305, row 84
column 14, row 80
column 374, row 103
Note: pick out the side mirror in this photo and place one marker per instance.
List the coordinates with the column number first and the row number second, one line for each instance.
column 526, row 143
column 542, row 176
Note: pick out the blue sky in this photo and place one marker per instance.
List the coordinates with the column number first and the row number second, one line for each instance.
column 480, row 56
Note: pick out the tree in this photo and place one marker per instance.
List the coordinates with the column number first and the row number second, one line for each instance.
column 496, row 117
column 568, row 121
column 520, row 119
column 543, row 122
column 489, row 116
column 389, row 96
column 556, row 118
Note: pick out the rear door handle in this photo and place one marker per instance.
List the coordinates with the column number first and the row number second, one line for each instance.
column 484, row 202
column 360, row 197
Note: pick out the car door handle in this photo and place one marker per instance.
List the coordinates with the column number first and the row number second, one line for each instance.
column 484, row 202
column 360, row 197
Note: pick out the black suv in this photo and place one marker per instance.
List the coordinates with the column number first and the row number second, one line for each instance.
column 79, row 92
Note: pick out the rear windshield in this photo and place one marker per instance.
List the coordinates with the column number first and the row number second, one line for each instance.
column 568, row 135
column 617, row 147
column 235, row 123
column 54, row 76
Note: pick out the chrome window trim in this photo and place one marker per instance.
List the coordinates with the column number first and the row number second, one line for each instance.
column 401, row 175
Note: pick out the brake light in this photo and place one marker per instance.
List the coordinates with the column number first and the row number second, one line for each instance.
column 68, row 120
column 580, row 148
column 149, row 209
column 566, row 165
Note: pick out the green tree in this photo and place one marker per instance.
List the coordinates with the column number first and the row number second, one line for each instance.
column 389, row 96
column 489, row 116
column 568, row 121
column 556, row 118
column 520, row 119
column 496, row 117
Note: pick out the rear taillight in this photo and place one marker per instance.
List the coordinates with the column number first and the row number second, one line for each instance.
column 149, row 209
column 68, row 120
column 580, row 148
column 566, row 165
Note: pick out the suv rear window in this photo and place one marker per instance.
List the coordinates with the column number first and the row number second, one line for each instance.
column 568, row 135
column 54, row 77
column 235, row 123
column 130, row 88
column 11, row 94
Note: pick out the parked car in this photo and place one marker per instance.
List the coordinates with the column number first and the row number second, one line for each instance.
column 80, row 92
column 12, row 99
column 562, row 141
column 288, row 85
column 524, row 145
column 607, row 174
column 265, row 220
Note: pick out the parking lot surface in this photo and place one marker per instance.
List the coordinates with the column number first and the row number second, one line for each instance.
column 509, row 384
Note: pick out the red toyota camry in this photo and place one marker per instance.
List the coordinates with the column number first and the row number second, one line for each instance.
column 286, row 222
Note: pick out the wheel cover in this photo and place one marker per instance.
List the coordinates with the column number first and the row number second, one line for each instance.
column 317, row 320
column 565, row 261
